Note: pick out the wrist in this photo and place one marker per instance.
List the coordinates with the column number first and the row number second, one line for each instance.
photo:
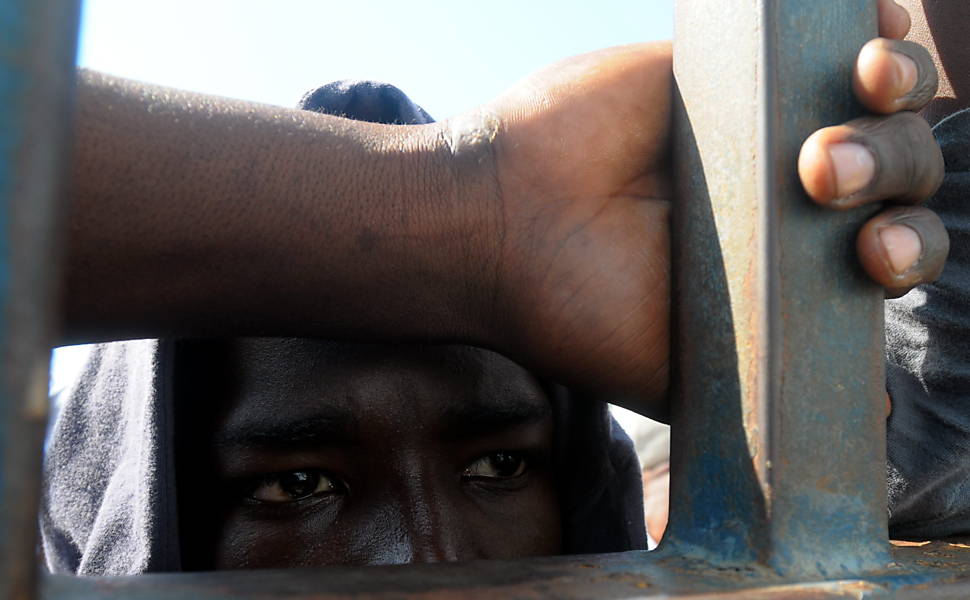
column 464, row 150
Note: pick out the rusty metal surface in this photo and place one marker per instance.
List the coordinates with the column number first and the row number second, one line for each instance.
column 779, row 448
column 37, row 45
column 937, row 570
column 778, row 436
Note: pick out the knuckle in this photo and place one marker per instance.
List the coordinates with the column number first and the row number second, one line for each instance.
column 936, row 171
column 916, row 156
column 938, row 247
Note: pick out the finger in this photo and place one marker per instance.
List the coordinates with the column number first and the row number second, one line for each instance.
column 894, row 21
column 871, row 159
column 894, row 75
column 902, row 247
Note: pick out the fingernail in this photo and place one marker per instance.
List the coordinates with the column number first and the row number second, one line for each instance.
column 906, row 74
column 854, row 168
column 903, row 247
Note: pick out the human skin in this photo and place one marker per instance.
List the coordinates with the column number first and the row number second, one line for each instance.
column 406, row 454
column 941, row 26
column 536, row 225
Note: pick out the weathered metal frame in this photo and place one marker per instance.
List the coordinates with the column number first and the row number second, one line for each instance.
column 779, row 442
column 780, row 334
column 37, row 47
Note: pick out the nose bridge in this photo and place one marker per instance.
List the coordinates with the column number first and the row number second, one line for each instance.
column 430, row 527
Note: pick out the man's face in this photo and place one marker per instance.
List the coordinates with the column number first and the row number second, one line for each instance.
column 304, row 452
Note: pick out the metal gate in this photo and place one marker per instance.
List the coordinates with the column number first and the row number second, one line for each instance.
column 777, row 484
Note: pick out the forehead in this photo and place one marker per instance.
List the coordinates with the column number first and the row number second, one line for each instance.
column 310, row 377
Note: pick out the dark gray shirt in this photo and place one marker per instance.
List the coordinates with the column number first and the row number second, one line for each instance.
column 928, row 370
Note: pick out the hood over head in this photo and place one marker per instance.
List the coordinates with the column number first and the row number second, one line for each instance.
column 109, row 504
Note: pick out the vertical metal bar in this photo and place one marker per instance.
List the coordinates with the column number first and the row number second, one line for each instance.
column 778, row 432
column 37, row 48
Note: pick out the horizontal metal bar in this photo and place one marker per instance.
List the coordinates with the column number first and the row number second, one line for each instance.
column 937, row 570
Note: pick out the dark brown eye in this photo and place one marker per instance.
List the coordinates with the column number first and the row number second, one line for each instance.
column 500, row 465
column 292, row 486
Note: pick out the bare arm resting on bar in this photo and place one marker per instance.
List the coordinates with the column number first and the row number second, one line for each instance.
column 536, row 226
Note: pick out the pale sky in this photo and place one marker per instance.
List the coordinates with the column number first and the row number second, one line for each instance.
column 448, row 56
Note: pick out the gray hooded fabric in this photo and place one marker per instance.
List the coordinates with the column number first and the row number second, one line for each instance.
column 110, row 505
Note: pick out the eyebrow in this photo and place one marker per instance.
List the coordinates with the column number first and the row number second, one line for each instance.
column 334, row 428
column 476, row 419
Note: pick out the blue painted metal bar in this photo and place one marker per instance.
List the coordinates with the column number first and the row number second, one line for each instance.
column 779, row 464
column 778, row 433
column 37, row 47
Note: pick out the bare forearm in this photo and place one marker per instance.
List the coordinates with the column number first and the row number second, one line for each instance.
column 193, row 215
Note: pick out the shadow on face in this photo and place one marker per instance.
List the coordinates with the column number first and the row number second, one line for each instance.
column 305, row 452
